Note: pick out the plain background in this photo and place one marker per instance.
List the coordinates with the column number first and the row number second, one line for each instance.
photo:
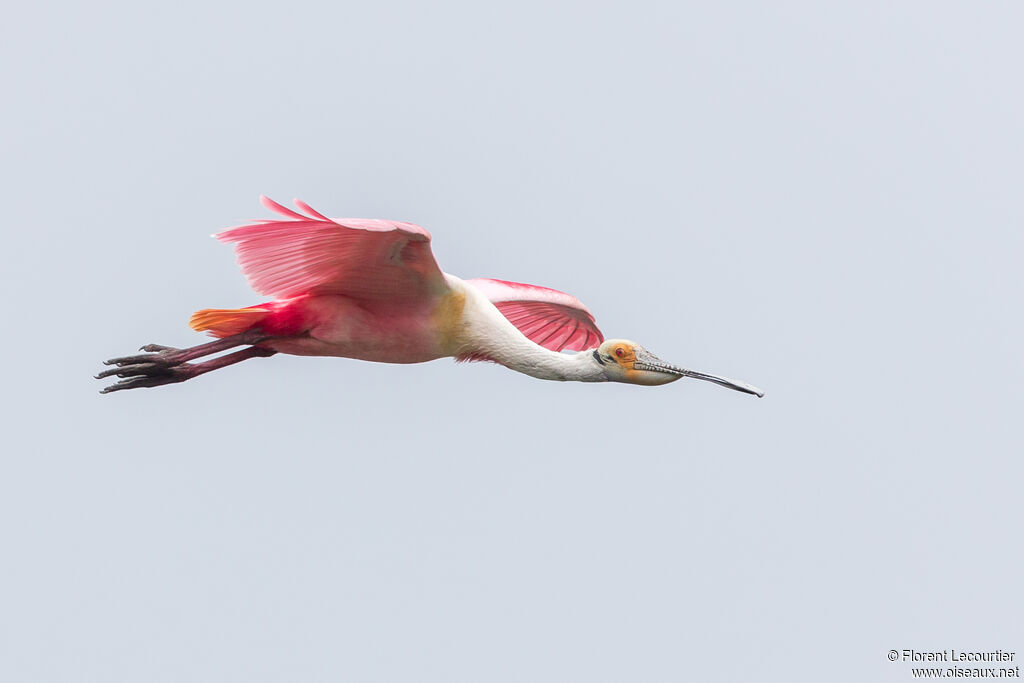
column 823, row 199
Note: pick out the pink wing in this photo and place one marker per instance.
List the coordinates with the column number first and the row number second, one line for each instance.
column 361, row 258
column 552, row 319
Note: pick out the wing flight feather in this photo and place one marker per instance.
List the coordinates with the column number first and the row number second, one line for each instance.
column 555, row 320
column 368, row 259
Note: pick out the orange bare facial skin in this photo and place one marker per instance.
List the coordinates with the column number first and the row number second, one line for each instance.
column 625, row 356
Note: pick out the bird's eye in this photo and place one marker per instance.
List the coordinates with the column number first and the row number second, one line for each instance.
column 619, row 352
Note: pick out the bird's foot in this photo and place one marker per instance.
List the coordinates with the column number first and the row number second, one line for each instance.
column 155, row 353
column 152, row 348
column 166, row 365
column 159, row 365
column 148, row 374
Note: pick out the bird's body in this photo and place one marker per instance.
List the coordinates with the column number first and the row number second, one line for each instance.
column 460, row 323
column 334, row 325
column 370, row 289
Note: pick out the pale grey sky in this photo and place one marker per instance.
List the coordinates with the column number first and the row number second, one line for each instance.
column 823, row 199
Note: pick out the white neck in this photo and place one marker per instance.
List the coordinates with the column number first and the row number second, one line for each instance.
column 486, row 332
column 536, row 361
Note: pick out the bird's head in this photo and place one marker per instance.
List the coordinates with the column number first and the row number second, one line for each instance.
column 622, row 360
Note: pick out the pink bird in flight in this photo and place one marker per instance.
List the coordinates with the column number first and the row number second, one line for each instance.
column 370, row 289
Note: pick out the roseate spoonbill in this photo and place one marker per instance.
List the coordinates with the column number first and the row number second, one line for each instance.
column 371, row 289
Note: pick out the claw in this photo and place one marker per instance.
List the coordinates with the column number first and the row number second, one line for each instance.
column 149, row 380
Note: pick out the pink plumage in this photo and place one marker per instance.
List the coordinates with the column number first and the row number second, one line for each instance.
column 355, row 257
column 373, row 260
column 555, row 320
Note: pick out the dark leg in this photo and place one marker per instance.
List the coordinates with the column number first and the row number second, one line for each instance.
column 158, row 373
column 167, row 355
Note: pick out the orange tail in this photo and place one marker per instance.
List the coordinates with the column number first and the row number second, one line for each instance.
column 224, row 322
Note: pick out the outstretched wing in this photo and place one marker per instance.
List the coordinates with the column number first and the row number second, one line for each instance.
column 368, row 259
column 552, row 319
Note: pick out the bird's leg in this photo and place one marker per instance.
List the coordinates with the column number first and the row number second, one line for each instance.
column 166, row 365
column 155, row 374
column 167, row 355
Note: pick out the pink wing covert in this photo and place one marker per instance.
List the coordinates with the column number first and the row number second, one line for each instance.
column 555, row 320
column 368, row 259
